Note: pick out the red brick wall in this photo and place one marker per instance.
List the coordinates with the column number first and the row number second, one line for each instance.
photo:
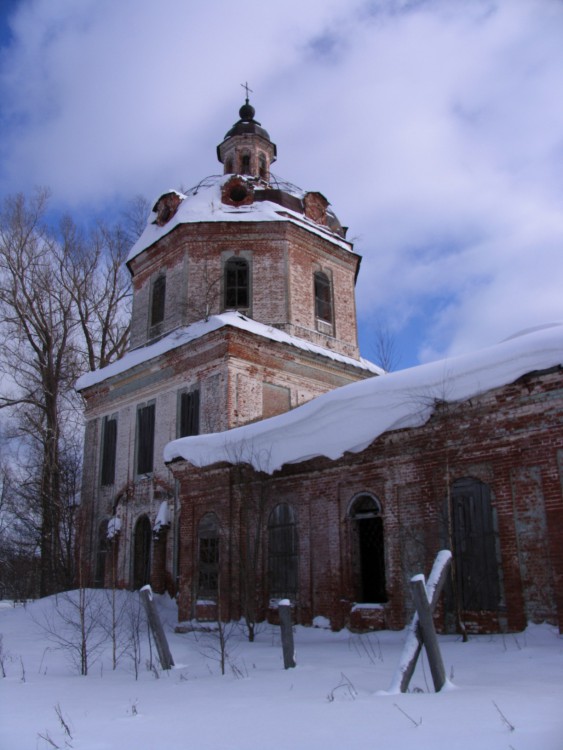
column 511, row 439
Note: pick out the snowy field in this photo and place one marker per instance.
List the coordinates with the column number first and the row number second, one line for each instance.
column 506, row 692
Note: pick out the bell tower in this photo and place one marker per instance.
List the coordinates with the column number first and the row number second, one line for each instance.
column 247, row 148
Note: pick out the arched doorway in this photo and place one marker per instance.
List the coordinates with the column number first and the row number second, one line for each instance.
column 368, row 558
column 142, row 540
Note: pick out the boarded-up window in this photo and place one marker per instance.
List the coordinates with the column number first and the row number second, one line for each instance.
column 109, row 445
column 158, row 296
column 145, row 439
column 475, row 545
column 323, row 297
column 236, row 284
column 276, row 399
column 142, row 538
column 368, row 558
column 189, row 413
column 283, row 552
column 208, row 537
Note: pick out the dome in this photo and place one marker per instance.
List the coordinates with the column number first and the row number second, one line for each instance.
column 247, row 124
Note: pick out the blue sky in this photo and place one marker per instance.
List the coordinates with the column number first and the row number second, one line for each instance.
column 434, row 127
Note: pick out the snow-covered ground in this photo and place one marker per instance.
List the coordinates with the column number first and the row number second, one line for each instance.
column 506, row 692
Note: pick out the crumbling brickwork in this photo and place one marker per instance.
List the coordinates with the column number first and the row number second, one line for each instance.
column 508, row 441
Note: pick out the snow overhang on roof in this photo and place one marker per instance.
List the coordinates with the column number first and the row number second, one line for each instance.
column 353, row 416
column 204, row 204
column 185, row 335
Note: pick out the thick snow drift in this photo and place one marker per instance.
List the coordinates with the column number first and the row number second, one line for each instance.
column 351, row 417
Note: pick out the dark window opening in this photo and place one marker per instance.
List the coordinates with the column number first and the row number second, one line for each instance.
column 142, row 539
column 101, row 554
column 236, row 284
column 229, row 166
column 145, row 439
column 475, row 545
column 262, row 166
column 323, row 297
column 109, row 447
column 208, row 537
column 283, row 552
column 157, row 300
column 189, row 413
column 245, row 164
column 238, row 193
column 368, row 550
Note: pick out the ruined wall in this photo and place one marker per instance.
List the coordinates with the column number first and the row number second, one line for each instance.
column 509, row 441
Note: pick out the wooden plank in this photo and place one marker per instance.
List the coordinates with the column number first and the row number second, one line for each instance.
column 164, row 654
column 413, row 643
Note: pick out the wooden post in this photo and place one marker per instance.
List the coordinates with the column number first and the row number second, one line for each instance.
column 284, row 609
column 413, row 643
column 428, row 633
column 166, row 660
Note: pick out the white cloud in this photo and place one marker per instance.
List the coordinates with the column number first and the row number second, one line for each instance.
column 435, row 128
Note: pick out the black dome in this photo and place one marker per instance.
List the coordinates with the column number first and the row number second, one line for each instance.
column 247, row 123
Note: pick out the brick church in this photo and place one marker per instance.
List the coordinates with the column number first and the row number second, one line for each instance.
column 243, row 451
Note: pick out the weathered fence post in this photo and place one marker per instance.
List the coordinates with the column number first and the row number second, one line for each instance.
column 428, row 633
column 284, row 609
column 166, row 660
column 413, row 643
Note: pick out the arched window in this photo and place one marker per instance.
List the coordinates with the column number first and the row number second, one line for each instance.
column 101, row 554
column 208, row 554
column 245, row 164
column 323, row 297
column 475, row 545
column 142, row 539
column 283, row 552
column 236, row 286
column 368, row 553
column 229, row 166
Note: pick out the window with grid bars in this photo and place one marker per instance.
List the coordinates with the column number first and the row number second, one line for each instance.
column 208, row 538
column 236, row 288
column 283, row 552
column 323, row 297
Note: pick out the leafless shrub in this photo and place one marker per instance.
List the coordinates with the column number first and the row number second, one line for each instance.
column 75, row 625
column 346, row 686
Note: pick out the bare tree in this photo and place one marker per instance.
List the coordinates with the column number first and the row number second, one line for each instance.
column 62, row 301
column 386, row 353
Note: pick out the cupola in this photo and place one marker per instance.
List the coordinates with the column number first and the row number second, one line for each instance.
column 247, row 148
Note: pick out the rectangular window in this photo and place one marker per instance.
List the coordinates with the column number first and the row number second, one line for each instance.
column 158, row 296
column 109, row 446
column 145, row 438
column 189, row 413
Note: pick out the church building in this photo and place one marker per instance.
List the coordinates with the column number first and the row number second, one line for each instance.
column 243, row 451
column 243, row 308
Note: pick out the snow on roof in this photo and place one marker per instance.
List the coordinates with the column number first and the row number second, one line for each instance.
column 186, row 334
column 353, row 416
column 204, row 204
